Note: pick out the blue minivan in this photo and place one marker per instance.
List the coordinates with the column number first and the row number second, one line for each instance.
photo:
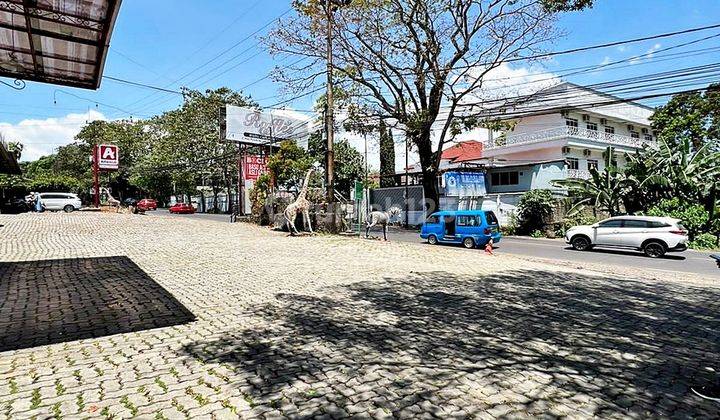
column 469, row 227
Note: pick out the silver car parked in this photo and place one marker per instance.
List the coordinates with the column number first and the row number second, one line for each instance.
column 60, row 201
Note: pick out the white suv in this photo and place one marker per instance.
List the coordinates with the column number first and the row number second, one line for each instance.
column 653, row 235
column 60, row 201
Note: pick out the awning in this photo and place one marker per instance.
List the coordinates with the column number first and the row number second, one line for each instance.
column 62, row 42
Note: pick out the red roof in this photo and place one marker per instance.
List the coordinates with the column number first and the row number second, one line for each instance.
column 463, row 152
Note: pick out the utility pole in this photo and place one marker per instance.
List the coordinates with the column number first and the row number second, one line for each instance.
column 96, row 175
column 329, row 114
column 240, row 199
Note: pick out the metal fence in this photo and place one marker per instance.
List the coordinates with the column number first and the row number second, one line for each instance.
column 384, row 198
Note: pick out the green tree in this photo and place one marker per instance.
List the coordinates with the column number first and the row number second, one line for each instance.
column 692, row 118
column 534, row 209
column 289, row 164
column 186, row 149
column 349, row 163
column 387, row 156
column 416, row 62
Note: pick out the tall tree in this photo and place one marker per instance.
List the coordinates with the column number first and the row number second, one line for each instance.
column 186, row 149
column 690, row 117
column 387, row 156
column 415, row 61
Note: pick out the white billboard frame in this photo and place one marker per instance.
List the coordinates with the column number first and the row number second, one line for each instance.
column 256, row 127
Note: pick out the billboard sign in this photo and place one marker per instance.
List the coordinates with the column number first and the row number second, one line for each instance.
column 250, row 126
column 108, row 157
column 464, row 184
column 254, row 166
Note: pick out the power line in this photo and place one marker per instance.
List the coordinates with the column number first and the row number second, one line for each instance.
column 129, row 82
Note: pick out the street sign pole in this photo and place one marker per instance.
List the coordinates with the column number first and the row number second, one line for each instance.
column 240, row 200
column 96, row 176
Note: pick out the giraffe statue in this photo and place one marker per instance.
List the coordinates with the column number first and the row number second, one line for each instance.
column 301, row 205
column 112, row 202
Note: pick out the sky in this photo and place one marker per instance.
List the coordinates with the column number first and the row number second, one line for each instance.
column 158, row 42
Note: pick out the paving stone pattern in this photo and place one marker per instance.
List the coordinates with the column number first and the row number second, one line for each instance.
column 326, row 327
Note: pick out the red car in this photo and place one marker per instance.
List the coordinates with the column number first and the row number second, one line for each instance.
column 182, row 208
column 147, row 204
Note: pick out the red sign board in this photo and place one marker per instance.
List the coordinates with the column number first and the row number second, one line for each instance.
column 108, row 157
column 254, row 166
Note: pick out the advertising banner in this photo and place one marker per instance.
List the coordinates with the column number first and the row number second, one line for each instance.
column 254, row 166
column 250, row 126
column 464, row 184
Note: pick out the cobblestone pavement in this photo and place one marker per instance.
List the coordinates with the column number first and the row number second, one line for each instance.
column 266, row 326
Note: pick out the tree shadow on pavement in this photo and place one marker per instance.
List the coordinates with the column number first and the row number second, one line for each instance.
column 517, row 344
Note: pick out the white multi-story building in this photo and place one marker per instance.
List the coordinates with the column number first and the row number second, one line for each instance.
column 562, row 134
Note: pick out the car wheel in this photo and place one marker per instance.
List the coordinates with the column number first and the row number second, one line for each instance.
column 469, row 243
column 581, row 243
column 69, row 209
column 654, row 249
column 432, row 240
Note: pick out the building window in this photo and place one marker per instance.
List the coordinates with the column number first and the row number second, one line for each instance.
column 573, row 163
column 648, row 137
column 591, row 126
column 505, row 178
column 571, row 122
column 635, row 134
column 609, row 129
column 592, row 164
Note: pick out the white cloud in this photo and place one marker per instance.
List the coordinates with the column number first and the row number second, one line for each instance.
column 622, row 48
column 648, row 54
column 651, row 51
column 507, row 82
column 42, row 137
column 607, row 60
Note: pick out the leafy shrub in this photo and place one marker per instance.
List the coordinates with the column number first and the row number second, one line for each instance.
column 577, row 219
column 704, row 241
column 534, row 209
column 511, row 228
column 537, row 234
column 694, row 216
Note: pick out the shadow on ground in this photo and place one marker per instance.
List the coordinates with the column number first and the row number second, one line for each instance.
column 518, row 344
column 55, row 301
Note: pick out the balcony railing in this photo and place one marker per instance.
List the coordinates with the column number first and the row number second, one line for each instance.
column 577, row 174
column 564, row 132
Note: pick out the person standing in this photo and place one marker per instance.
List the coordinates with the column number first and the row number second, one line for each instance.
column 38, row 203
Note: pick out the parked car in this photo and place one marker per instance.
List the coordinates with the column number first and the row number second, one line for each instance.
column 182, row 208
column 15, row 206
column 60, row 201
column 147, row 204
column 471, row 228
column 655, row 236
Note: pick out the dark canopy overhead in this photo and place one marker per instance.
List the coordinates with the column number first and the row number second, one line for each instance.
column 63, row 42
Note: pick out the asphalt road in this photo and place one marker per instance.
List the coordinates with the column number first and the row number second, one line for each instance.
column 693, row 262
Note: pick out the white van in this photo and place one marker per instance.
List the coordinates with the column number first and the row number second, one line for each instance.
column 60, row 201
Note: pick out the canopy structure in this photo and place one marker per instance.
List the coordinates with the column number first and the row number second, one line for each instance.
column 63, row 42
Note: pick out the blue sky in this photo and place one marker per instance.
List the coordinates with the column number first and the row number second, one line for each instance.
column 158, row 41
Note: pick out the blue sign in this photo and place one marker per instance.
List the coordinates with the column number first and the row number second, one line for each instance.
column 464, row 184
